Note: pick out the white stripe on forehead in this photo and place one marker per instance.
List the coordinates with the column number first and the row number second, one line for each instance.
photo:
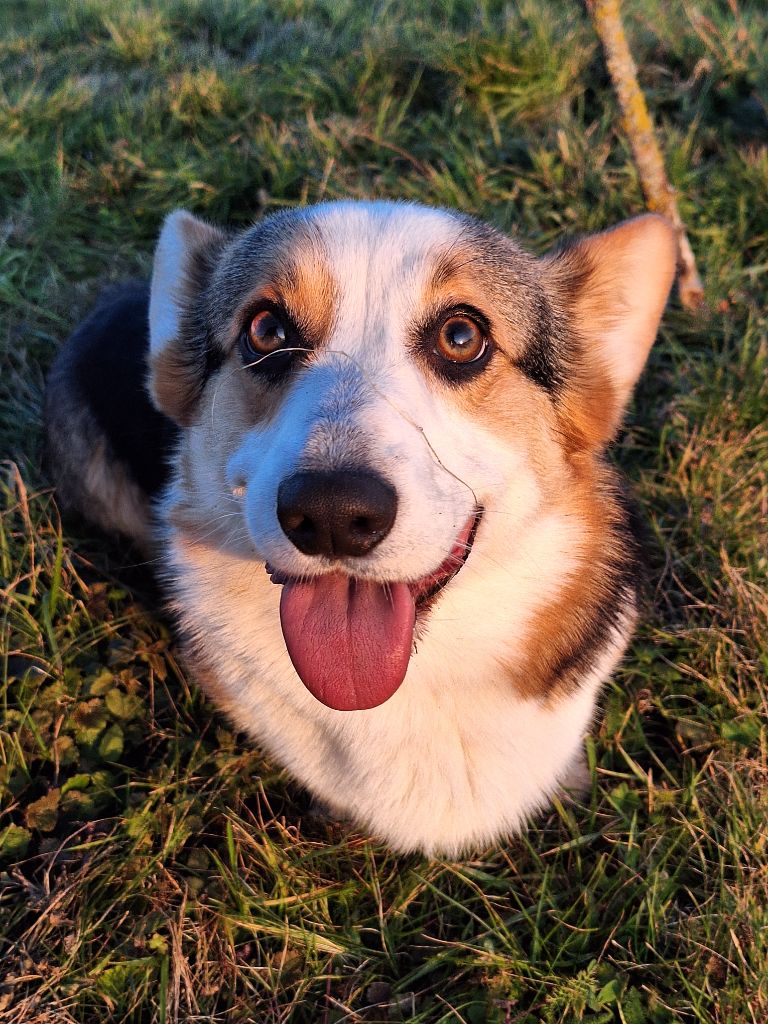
column 382, row 257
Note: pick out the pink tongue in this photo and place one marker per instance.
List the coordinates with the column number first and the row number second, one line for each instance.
column 349, row 640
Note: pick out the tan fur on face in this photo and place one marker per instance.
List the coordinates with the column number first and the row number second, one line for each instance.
column 283, row 262
column 588, row 411
column 564, row 434
column 307, row 292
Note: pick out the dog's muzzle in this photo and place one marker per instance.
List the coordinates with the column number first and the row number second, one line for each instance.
column 350, row 639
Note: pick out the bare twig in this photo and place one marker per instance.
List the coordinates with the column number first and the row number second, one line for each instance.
column 659, row 194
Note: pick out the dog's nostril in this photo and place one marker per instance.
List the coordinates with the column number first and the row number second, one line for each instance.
column 294, row 522
column 334, row 513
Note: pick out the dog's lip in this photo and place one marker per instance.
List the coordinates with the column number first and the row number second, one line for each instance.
column 426, row 589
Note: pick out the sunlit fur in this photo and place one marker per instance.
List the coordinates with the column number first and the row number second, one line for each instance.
column 503, row 681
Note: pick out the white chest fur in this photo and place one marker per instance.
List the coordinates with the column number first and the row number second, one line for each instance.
column 454, row 759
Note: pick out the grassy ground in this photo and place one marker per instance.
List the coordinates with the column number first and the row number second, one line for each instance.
column 153, row 866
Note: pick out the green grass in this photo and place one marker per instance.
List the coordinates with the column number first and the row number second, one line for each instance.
column 154, row 867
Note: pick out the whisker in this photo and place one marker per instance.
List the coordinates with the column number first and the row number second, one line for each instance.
column 278, row 351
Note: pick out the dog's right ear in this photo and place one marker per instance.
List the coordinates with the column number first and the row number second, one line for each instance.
column 186, row 253
column 614, row 286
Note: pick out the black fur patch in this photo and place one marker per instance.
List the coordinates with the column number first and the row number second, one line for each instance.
column 542, row 362
column 105, row 361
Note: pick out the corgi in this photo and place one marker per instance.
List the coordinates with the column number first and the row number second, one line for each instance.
column 367, row 441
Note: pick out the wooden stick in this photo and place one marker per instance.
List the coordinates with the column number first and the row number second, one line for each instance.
column 660, row 195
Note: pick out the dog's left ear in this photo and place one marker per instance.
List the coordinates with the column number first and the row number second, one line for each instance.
column 614, row 286
column 184, row 259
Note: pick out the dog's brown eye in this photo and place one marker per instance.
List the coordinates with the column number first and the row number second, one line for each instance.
column 266, row 333
column 460, row 340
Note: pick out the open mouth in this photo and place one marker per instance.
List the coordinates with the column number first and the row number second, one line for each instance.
column 425, row 590
column 350, row 639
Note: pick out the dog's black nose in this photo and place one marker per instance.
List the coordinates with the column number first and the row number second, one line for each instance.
column 343, row 512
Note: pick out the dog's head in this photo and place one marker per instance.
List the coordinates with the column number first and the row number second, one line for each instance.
column 367, row 390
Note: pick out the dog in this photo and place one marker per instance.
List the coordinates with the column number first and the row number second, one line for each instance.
column 367, row 441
